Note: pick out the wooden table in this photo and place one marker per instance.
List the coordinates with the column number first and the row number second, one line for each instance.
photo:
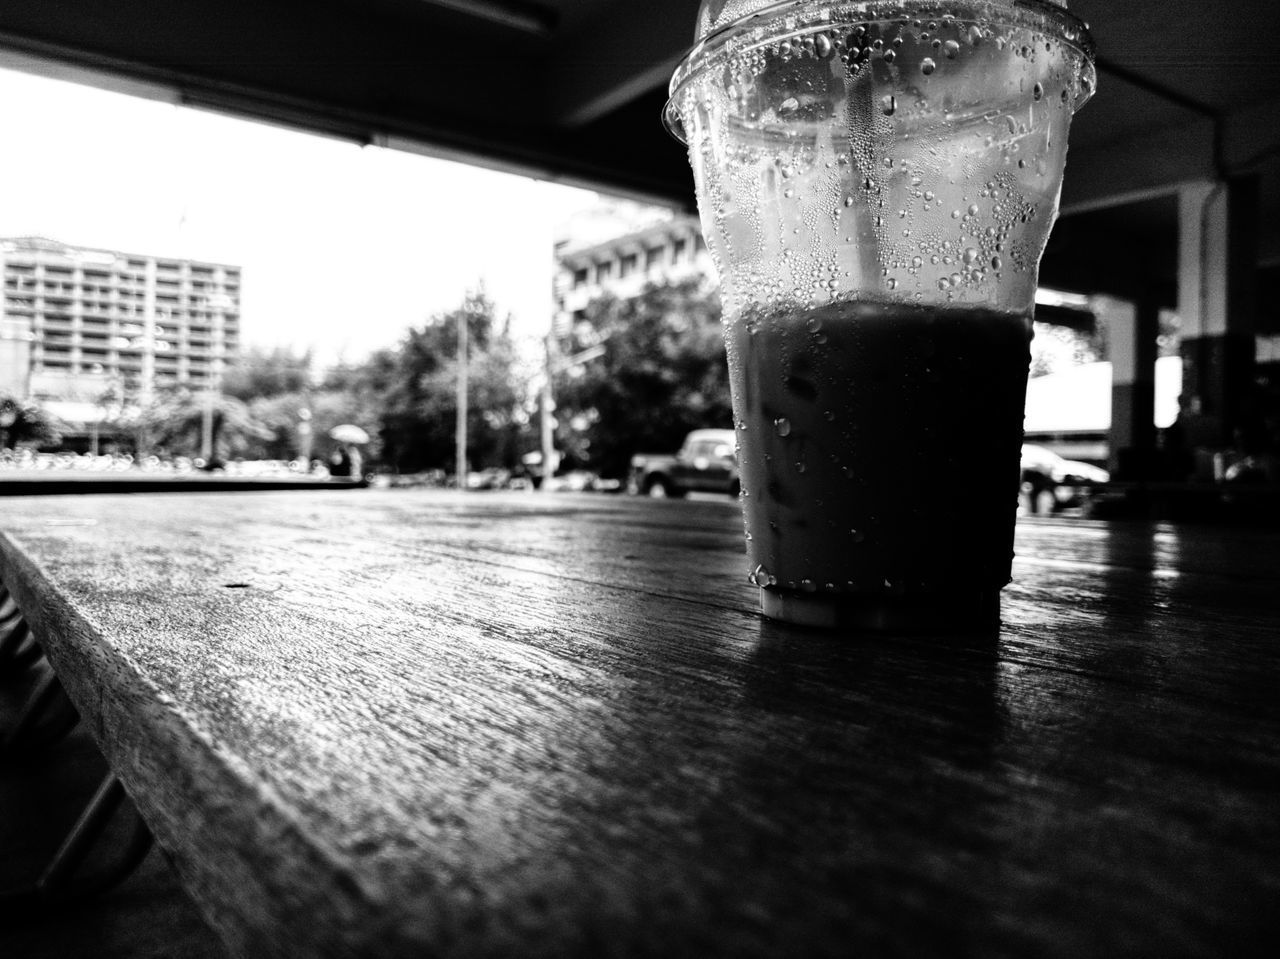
column 414, row 723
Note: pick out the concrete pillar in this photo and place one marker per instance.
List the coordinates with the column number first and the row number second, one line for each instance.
column 1132, row 329
column 1217, row 303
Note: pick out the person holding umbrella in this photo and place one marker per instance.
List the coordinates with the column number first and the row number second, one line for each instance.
column 346, row 459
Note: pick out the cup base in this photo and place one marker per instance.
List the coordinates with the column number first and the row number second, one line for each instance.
column 965, row 612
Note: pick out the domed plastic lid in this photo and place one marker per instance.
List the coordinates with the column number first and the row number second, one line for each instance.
column 721, row 21
column 715, row 15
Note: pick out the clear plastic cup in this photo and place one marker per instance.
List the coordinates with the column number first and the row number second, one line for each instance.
column 876, row 183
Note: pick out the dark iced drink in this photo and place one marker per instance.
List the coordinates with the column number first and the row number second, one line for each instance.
column 878, row 445
column 876, row 184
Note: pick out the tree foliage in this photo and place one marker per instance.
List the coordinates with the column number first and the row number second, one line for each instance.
column 259, row 372
column 172, row 422
column 662, row 374
column 25, row 422
column 418, row 385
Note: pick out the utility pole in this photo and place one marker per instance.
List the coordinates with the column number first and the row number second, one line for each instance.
column 550, row 458
column 462, row 400
column 556, row 365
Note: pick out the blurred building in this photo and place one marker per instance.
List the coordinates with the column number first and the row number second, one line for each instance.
column 15, row 355
column 77, row 321
column 622, row 266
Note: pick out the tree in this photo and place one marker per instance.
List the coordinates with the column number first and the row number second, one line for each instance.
column 267, row 372
column 418, row 389
column 662, row 374
column 25, row 422
column 173, row 421
column 283, row 417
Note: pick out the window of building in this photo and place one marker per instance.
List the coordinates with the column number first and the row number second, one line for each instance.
column 627, row 265
column 654, row 256
column 580, row 277
column 678, row 248
column 604, row 271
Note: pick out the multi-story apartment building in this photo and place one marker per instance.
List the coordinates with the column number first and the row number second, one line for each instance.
column 623, row 266
column 668, row 250
column 79, row 321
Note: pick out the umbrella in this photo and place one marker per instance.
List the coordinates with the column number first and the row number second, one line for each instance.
column 349, row 433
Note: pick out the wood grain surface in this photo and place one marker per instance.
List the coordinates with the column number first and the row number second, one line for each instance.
column 412, row 723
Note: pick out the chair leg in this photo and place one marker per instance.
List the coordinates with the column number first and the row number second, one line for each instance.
column 46, row 717
column 57, row 884
column 14, row 632
column 18, row 646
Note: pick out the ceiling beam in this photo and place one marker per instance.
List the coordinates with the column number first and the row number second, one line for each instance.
column 624, row 50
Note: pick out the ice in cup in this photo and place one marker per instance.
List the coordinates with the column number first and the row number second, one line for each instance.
column 876, row 183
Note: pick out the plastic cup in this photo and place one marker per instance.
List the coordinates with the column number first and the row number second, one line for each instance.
column 876, row 183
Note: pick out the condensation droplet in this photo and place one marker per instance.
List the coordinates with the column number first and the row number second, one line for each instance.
column 927, row 66
column 888, row 104
column 783, row 426
column 951, row 49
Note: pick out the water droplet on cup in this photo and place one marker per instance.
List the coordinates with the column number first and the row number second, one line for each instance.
column 783, row 426
column 951, row 49
column 927, row 66
column 888, row 104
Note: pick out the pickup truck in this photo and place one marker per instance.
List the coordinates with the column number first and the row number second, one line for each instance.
column 706, row 464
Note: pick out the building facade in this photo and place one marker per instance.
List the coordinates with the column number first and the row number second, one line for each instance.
column 77, row 322
column 667, row 251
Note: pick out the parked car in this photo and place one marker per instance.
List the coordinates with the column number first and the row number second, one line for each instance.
column 705, row 463
column 1066, row 483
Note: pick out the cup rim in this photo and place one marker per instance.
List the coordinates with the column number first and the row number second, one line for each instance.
column 1069, row 28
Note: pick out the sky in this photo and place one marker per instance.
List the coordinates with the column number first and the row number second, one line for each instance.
column 343, row 247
